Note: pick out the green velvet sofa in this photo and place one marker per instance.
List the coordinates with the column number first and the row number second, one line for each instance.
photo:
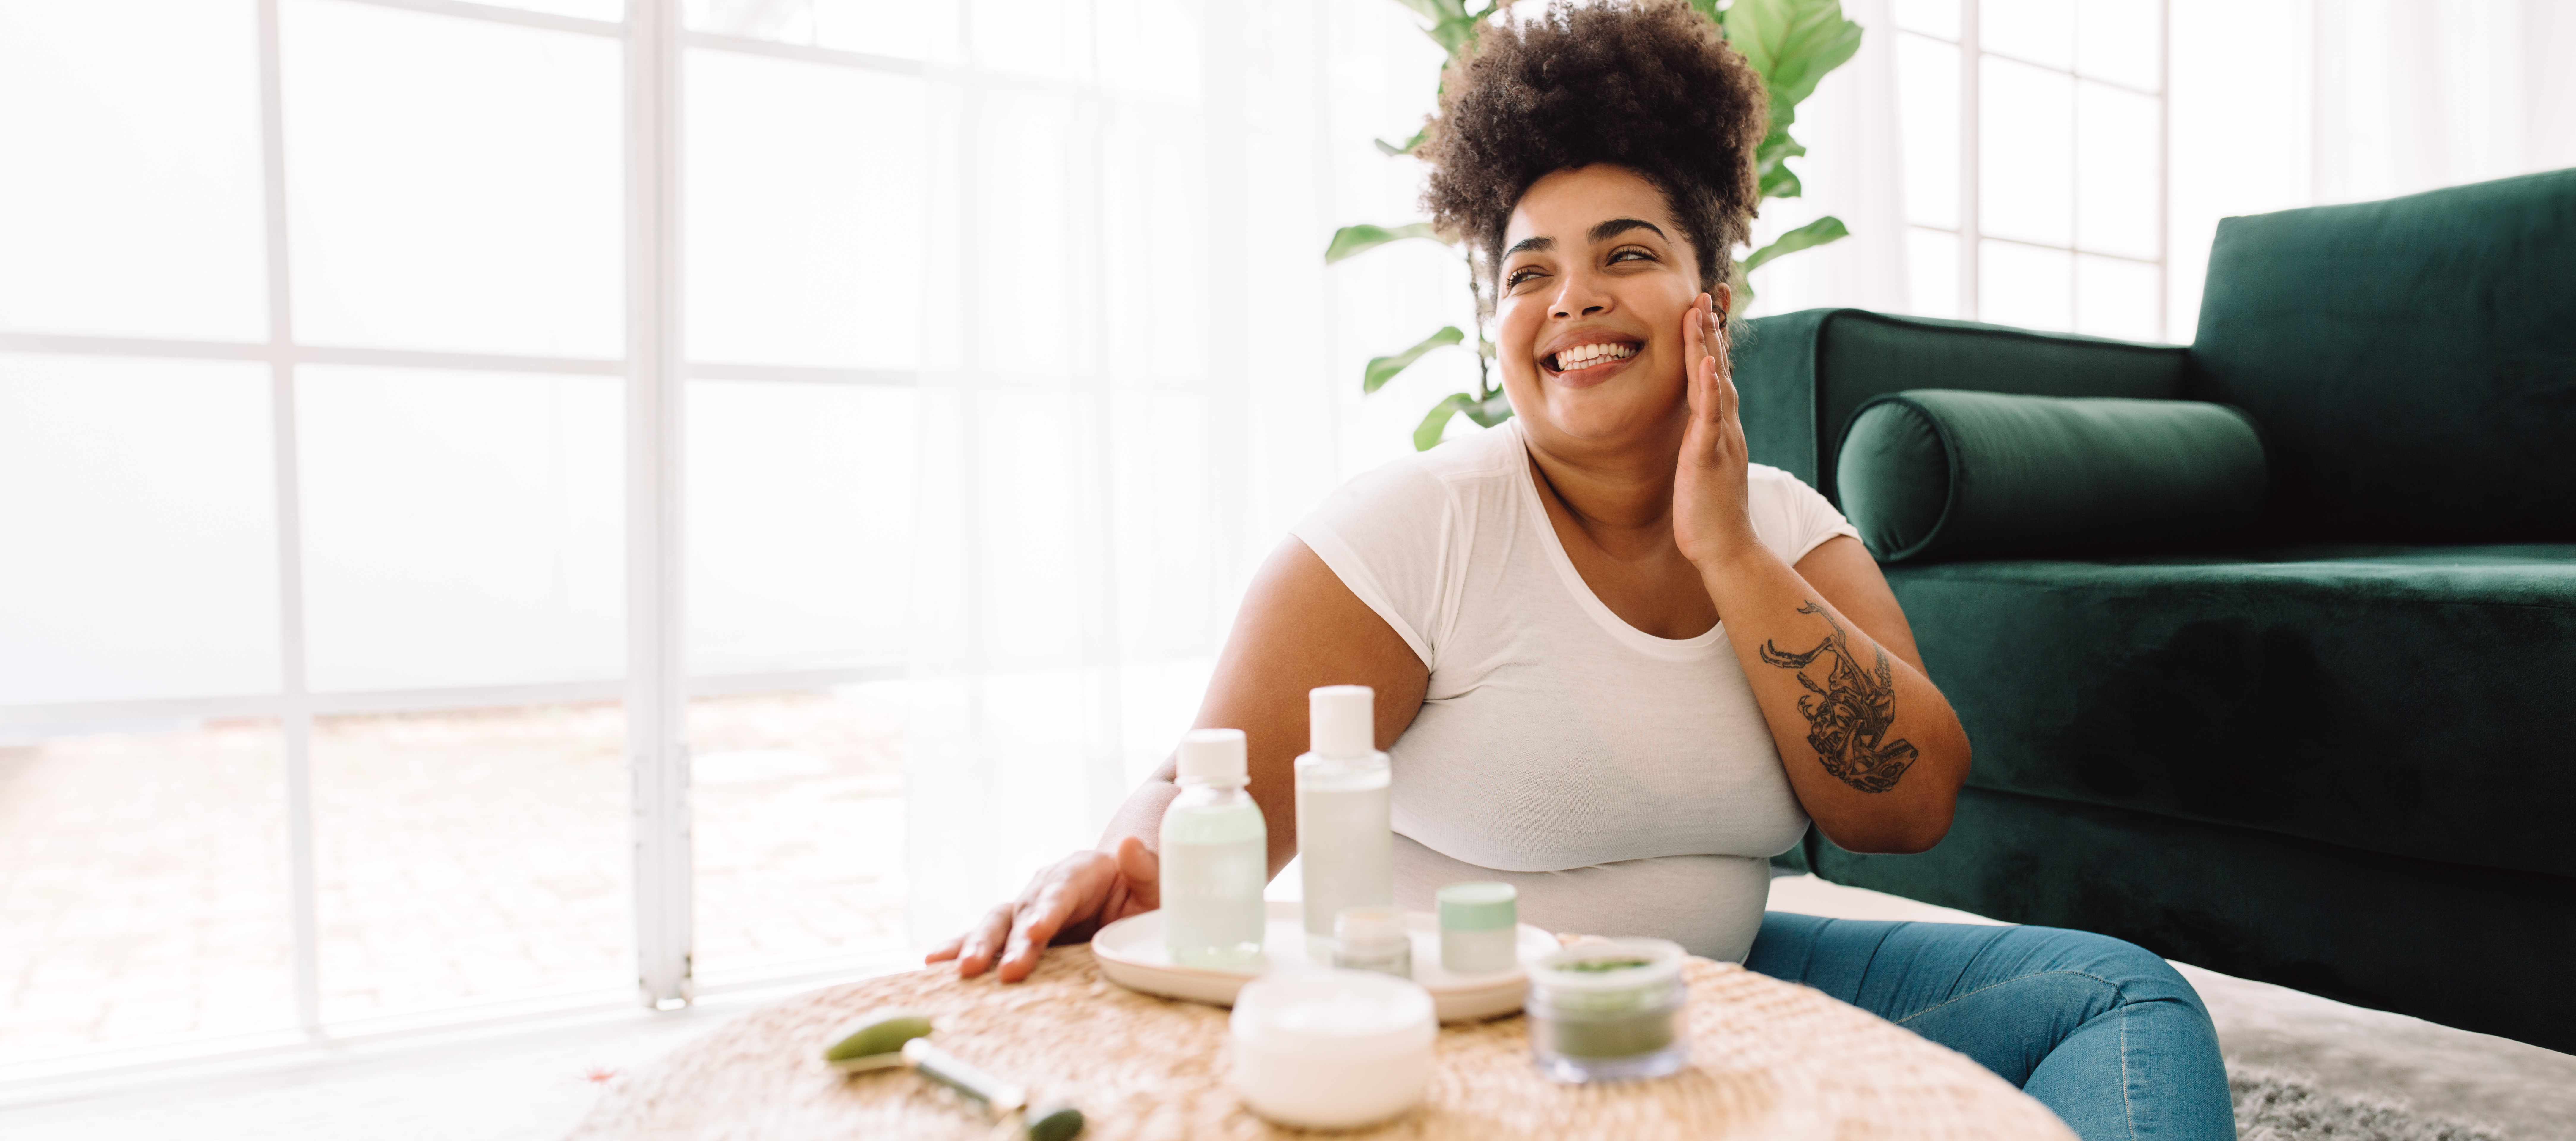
column 2342, row 756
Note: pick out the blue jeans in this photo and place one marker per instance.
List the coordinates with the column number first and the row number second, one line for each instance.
column 2104, row 1033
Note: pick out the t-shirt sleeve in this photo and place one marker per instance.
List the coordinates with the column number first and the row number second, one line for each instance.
column 1791, row 517
column 1386, row 535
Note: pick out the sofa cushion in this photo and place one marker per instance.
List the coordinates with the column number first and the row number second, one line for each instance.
column 2412, row 361
column 2412, row 701
column 1939, row 473
column 1800, row 376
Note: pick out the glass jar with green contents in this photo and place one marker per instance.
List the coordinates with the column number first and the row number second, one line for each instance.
column 1608, row 1011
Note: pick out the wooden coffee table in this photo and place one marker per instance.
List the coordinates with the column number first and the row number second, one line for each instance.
column 1768, row 1059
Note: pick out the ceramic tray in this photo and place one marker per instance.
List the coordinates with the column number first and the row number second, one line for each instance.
column 1131, row 953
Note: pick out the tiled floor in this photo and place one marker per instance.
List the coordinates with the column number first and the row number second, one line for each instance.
column 460, row 858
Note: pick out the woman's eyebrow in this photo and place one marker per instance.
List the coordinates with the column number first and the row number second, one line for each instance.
column 1616, row 226
column 1530, row 244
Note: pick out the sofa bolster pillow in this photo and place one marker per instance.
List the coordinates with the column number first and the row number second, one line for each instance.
column 1934, row 473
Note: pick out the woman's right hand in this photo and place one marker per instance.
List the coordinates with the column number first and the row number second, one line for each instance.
column 1064, row 903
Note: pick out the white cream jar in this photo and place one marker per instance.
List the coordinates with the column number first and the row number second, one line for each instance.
column 1325, row 1049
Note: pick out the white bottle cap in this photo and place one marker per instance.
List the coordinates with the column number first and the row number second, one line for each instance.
column 1342, row 721
column 1213, row 755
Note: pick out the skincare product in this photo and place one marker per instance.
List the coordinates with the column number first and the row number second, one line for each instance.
column 1215, row 857
column 1318, row 1049
column 1608, row 1011
column 887, row 1039
column 1344, row 842
column 1372, row 939
column 1479, row 928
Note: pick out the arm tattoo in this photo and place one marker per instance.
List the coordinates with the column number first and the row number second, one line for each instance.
column 1848, row 717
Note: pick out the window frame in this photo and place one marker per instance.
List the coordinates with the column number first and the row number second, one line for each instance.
column 1968, row 233
column 656, row 684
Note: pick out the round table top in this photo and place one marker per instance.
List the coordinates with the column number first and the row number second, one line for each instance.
column 1768, row 1059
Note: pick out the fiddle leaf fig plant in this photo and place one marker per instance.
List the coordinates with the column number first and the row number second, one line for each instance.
column 1792, row 44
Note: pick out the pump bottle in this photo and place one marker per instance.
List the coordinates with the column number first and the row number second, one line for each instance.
column 1345, row 841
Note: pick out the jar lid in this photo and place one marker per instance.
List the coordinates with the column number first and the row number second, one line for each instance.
column 1341, row 1014
column 1611, row 965
column 1375, row 928
column 1479, row 906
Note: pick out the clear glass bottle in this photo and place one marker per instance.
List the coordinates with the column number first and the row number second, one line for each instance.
column 1215, row 857
column 1345, row 838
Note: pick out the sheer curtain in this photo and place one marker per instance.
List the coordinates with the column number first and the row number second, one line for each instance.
column 2352, row 100
column 2415, row 94
column 1853, row 170
column 1123, row 404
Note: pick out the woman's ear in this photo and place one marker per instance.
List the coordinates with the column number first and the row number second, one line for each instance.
column 1725, row 303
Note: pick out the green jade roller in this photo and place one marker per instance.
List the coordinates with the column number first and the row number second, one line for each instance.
column 892, row 1038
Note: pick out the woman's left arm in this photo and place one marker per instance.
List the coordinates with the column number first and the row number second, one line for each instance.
column 1872, row 748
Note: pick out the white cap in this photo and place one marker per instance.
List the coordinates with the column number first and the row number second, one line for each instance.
column 1342, row 721
column 1214, row 755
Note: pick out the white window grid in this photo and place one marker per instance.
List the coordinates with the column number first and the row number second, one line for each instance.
column 657, row 684
column 1967, row 231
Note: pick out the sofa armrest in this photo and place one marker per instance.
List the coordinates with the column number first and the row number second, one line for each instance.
column 1799, row 376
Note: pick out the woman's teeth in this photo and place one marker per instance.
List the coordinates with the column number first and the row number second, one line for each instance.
column 1585, row 356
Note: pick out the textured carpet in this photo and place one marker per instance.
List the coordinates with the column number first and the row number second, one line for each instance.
column 2275, row 1106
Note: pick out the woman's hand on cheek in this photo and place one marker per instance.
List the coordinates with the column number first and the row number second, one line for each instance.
column 1711, row 522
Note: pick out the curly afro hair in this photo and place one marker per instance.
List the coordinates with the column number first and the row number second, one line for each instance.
column 1650, row 85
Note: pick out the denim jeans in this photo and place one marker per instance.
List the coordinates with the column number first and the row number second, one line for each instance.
column 2104, row 1033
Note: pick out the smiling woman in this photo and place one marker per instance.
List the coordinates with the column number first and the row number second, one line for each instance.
column 1619, row 665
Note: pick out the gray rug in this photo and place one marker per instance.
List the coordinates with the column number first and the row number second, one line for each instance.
column 2274, row 1105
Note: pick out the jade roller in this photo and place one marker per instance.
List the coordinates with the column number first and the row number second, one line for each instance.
column 891, row 1038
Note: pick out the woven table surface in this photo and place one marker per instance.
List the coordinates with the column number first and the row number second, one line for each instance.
column 1768, row 1060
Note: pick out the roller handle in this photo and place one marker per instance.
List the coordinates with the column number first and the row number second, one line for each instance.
column 949, row 1070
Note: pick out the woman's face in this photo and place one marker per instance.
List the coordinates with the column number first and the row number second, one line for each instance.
column 1588, row 309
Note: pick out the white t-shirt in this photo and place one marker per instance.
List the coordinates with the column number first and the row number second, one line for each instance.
column 1626, row 784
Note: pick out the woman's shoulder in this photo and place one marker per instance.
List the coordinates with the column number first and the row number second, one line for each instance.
column 1791, row 517
column 1432, row 482
column 1763, row 479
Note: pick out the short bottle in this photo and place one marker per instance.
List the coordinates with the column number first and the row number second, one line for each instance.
column 1479, row 928
column 1215, row 856
column 1345, row 841
column 1372, row 939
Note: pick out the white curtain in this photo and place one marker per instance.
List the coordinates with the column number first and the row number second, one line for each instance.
column 2286, row 103
column 1853, row 170
column 1125, row 402
column 2415, row 94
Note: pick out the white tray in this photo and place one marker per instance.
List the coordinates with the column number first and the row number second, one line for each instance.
column 1132, row 954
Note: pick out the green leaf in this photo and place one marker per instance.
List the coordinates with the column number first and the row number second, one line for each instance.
column 1427, row 436
column 1492, row 410
column 1816, row 233
column 1383, row 369
column 1771, row 163
column 1793, row 43
column 1391, row 150
column 1350, row 240
column 1453, row 35
column 1781, row 182
column 1433, row 9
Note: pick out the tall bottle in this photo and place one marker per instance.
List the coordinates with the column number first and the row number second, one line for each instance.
column 1216, row 856
column 1345, row 842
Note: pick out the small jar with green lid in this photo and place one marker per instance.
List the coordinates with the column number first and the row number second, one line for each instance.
column 1479, row 925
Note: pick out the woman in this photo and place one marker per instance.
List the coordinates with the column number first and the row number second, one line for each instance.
column 1617, row 664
